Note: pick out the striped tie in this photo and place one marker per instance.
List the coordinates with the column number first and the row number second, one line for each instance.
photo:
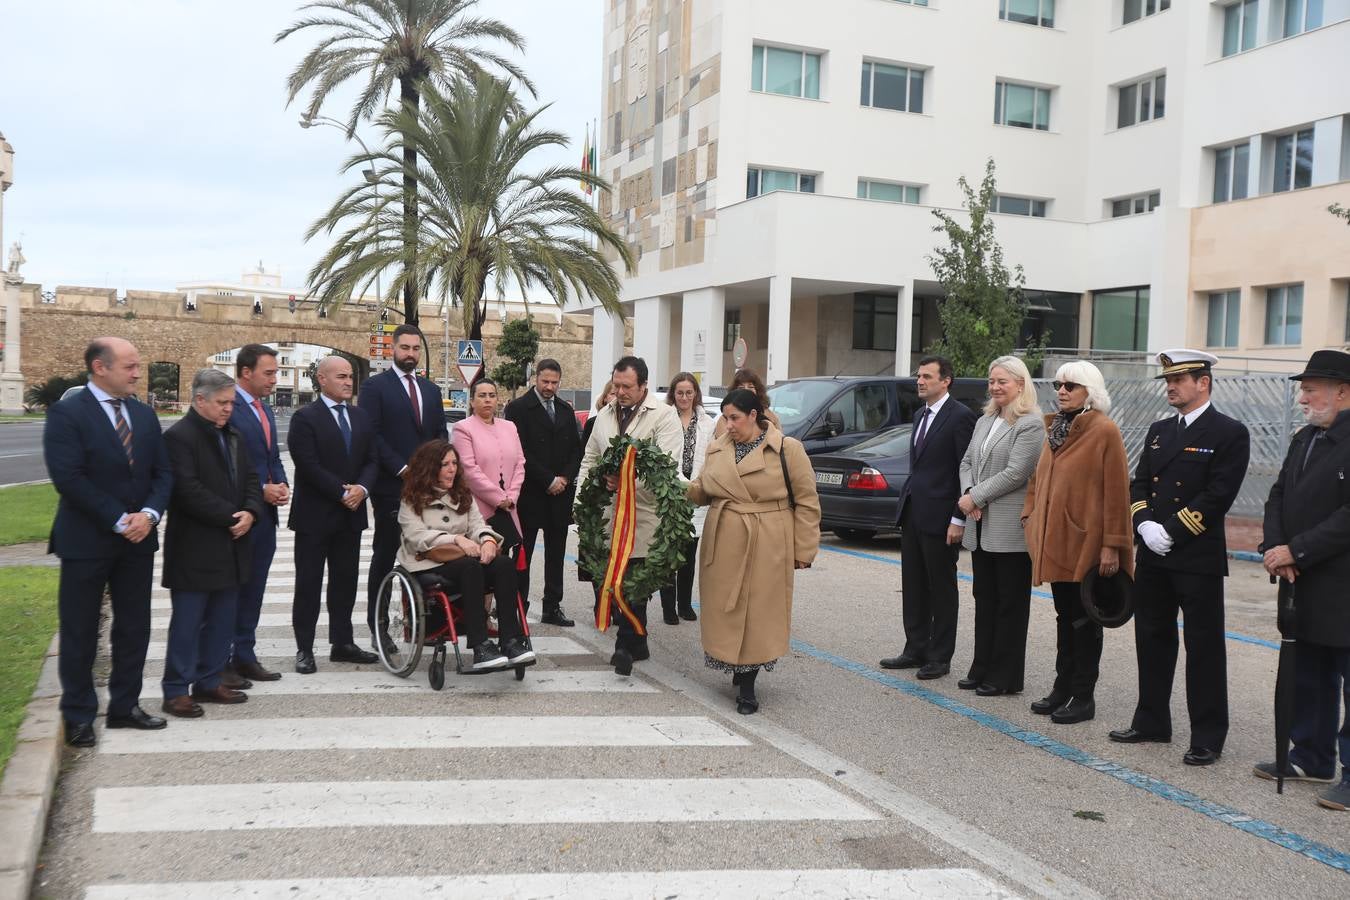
column 123, row 431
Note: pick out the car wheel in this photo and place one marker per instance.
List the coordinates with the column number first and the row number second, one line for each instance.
column 855, row 534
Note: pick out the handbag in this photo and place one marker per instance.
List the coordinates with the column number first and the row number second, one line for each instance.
column 442, row 553
column 502, row 523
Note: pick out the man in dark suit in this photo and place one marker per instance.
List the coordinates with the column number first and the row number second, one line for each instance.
column 216, row 501
column 1307, row 547
column 256, row 376
column 405, row 412
column 547, row 425
column 1187, row 478
column 928, row 504
column 105, row 453
column 333, row 448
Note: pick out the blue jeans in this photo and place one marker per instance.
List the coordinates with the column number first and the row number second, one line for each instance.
column 264, row 536
column 1321, row 678
column 200, row 631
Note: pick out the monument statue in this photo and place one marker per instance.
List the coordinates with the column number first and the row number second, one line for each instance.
column 16, row 257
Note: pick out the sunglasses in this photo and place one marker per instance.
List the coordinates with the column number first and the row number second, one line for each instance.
column 1069, row 386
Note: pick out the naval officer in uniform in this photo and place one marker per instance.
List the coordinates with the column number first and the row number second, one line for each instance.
column 1187, row 477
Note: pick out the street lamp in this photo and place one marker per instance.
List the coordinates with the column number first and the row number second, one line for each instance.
column 309, row 120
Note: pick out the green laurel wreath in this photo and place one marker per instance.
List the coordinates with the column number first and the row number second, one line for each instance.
column 674, row 518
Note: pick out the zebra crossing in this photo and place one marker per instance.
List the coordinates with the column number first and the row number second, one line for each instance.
column 571, row 783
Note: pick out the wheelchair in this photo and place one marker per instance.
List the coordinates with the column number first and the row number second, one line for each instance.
column 416, row 611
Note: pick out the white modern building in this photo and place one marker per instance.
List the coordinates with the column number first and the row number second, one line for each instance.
column 1164, row 169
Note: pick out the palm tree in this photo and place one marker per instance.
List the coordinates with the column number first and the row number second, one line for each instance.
column 408, row 44
column 484, row 221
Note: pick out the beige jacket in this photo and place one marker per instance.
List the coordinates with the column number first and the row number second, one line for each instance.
column 437, row 524
column 653, row 419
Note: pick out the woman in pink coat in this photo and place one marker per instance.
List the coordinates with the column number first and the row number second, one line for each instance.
column 490, row 455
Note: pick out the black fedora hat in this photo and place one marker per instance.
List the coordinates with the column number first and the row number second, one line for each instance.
column 1108, row 600
column 1334, row 364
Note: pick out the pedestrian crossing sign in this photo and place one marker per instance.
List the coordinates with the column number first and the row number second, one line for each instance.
column 469, row 359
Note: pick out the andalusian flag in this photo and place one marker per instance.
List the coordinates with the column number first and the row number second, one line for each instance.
column 587, row 161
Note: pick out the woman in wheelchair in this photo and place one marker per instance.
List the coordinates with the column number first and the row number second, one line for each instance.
column 444, row 534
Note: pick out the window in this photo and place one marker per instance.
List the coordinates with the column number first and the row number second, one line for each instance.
column 788, row 72
column 1137, row 9
column 1141, row 101
column 1120, row 319
column 1051, row 319
column 892, row 87
column 1018, row 206
column 885, row 190
column 1222, row 330
column 1239, row 27
column 1230, row 172
column 1029, row 12
column 914, row 2
column 1293, row 160
column 731, row 330
column 1284, row 315
column 864, row 408
column 1133, row 206
column 763, row 181
column 1301, row 15
column 1021, row 106
column 874, row 322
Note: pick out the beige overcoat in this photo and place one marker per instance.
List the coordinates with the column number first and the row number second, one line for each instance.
column 750, row 541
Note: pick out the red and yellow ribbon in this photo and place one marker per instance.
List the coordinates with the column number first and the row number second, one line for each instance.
column 621, row 545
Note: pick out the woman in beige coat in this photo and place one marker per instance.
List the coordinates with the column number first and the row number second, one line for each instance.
column 764, row 522
column 1077, row 517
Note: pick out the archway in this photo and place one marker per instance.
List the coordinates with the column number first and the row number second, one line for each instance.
column 162, row 387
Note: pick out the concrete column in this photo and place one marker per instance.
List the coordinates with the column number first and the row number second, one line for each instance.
column 904, row 327
column 606, row 348
column 11, row 379
column 780, row 328
column 1328, row 138
column 651, row 337
column 702, row 324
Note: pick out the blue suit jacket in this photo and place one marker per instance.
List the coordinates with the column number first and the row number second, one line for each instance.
column 266, row 462
column 385, row 398
column 323, row 465
column 96, row 482
column 934, row 483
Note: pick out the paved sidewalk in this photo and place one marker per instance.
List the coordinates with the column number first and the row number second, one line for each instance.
column 34, row 554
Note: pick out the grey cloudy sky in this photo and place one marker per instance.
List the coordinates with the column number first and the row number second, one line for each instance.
column 154, row 145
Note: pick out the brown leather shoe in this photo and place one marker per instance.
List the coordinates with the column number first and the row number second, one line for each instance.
column 219, row 694
column 182, row 707
column 233, row 680
column 256, row 672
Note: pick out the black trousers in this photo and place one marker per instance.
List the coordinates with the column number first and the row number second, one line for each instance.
column 680, row 595
column 1078, row 643
column 928, row 582
column 1321, row 679
column 128, row 577
column 1159, row 595
column 628, row 638
column 472, row 580
column 340, row 552
column 555, row 548
column 383, row 549
column 1002, row 607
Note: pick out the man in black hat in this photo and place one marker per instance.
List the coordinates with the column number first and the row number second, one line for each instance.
column 1187, row 478
column 1307, row 543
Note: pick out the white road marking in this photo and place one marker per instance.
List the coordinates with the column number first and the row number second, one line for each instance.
column 277, row 648
column 539, row 681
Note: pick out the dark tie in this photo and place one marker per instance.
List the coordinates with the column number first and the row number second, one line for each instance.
column 625, row 416
column 1181, row 425
column 123, row 430
column 416, row 405
column 923, row 429
column 225, row 452
column 548, row 407
column 345, row 428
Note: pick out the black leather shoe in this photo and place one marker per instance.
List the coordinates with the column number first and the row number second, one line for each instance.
column 1201, row 756
column 622, row 662
column 968, row 683
column 304, row 663
column 1074, row 711
column 350, row 653
column 993, row 690
column 932, row 670
column 1049, row 703
column 901, row 662
column 670, row 618
column 80, row 734
column 555, row 617
column 1135, row 736
column 687, row 613
column 137, row 718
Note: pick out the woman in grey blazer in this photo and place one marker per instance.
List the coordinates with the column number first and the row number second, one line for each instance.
column 1000, row 459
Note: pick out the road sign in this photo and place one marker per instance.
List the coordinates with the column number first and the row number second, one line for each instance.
column 469, row 359
column 381, row 347
column 739, row 351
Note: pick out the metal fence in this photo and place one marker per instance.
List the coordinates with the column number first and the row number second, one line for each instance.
column 1266, row 404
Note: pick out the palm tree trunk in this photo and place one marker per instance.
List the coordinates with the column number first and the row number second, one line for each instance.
column 479, row 311
column 411, row 100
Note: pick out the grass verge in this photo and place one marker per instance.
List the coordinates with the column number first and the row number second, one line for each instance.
column 28, row 513
column 27, row 623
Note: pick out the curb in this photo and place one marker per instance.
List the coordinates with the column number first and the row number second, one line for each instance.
column 29, row 782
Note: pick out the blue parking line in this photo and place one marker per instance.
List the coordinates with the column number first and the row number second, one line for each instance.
column 1231, row 635
column 1269, row 831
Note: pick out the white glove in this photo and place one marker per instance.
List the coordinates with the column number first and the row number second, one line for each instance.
column 1155, row 537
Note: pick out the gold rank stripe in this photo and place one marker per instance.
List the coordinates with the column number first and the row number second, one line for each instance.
column 1136, row 507
column 1193, row 521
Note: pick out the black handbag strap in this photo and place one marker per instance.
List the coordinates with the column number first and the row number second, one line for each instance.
column 787, row 481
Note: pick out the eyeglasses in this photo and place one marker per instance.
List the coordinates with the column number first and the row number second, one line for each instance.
column 1069, row 386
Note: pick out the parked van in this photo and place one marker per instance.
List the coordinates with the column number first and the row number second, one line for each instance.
column 828, row 414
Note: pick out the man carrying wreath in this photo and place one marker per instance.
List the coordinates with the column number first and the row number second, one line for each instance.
column 635, row 414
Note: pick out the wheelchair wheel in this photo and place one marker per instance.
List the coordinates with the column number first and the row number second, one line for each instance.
column 436, row 670
column 520, row 673
column 401, row 616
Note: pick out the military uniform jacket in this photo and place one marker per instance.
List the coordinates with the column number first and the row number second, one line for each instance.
column 1187, row 481
column 1309, row 509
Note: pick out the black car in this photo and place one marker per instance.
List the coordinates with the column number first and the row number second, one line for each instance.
column 860, row 486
